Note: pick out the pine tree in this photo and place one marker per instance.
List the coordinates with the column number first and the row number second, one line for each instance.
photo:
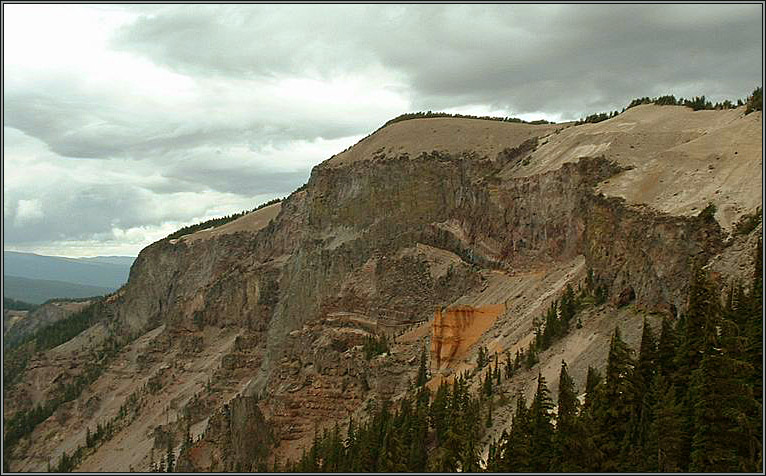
column 618, row 367
column 516, row 451
column 493, row 456
column 726, row 415
column 508, row 366
column 639, row 401
column 570, row 437
column 541, row 430
column 701, row 320
column 489, row 414
column 752, row 311
column 418, row 456
column 469, row 422
column 497, row 371
column 531, row 357
column 438, row 413
column 422, row 369
column 488, row 383
column 592, row 381
column 481, row 359
column 611, row 408
column 698, row 333
column 711, row 450
column 170, row 457
column 665, row 442
column 647, row 356
column 552, row 329
column 392, row 460
column 568, row 307
column 666, row 348
column 187, row 436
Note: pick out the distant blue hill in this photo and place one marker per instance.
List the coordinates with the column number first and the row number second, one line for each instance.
column 118, row 260
column 102, row 271
column 37, row 291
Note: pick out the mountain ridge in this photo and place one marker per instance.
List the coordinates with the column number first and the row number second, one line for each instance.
column 272, row 316
column 102, row 271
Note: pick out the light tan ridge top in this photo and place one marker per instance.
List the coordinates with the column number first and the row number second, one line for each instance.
column 681, row 159
column 447, row 134
column 251, row 222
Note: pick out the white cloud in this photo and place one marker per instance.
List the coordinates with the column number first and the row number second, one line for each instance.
column 28, row 211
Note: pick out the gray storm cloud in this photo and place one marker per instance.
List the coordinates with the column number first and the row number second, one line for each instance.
column 525, row 58
column 213, row 109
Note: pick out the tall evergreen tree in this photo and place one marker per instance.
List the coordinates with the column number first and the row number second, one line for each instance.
column 639, row 400
column 701, row 320
column 647, row 356
column 422, row 369
column 541, row 429
column 666, row 348
column 568, row 307
column 697, row 330
column 727, row 418
column 438, row 412
column 570, row 439
column 664, row 444
column 516, row 451
column 509, row 367
column 170, row 457
column 611, row 407
column 592, row 381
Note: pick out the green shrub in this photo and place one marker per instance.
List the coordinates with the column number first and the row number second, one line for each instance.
column 374, row 345
column 755, row 101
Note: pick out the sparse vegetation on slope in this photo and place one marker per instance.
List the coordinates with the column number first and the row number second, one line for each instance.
column 755, row 101
column 425, row 115
column 698, row 103
column 216, row 222
column 128, row 412
column 375, row 345
column 689, row 401
column 16, row 305
column 595, row 118
column 23, row 422
column 61, row 331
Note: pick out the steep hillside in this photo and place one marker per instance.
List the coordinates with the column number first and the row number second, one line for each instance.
column 24, row 323
column 441, row 237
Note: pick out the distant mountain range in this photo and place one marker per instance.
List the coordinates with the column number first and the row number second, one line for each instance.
column 36, row 278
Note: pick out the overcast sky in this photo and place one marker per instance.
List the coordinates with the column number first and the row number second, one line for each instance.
column 123, row 123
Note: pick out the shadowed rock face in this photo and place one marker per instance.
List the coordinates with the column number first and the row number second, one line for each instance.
column 456, row 329
column 237, row 438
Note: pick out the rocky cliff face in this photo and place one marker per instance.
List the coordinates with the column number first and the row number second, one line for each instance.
column 367, row 250
column 237, row 438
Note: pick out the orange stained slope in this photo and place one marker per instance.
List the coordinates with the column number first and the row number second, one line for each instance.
column 456, row 329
